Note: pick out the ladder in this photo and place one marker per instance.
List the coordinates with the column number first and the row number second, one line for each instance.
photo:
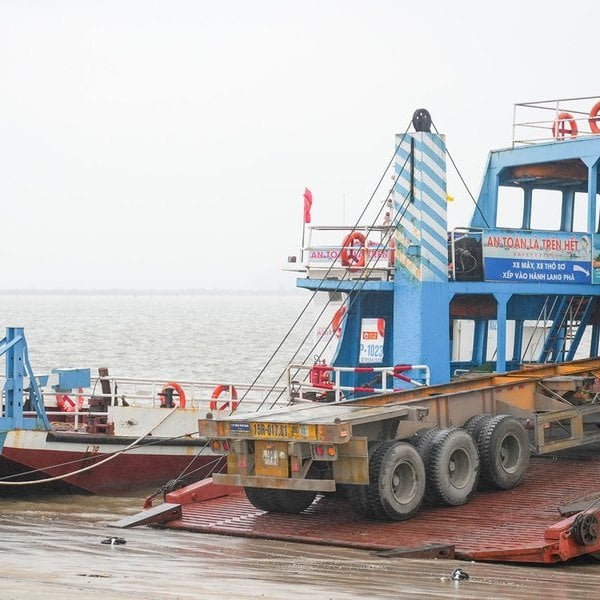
column 571, row 315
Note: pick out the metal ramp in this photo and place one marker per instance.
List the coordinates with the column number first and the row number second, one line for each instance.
column 518, row 525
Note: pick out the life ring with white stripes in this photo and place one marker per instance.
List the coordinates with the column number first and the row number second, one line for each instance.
column 594, row 118
column 353, row 253
column 65, row 403
column 559, row 128
column 178, row 389
column 228, row 403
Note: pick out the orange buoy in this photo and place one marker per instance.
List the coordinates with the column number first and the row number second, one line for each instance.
column 336, row 322
column 594, row 118
column 560, row 129
column 353, row 252
column 173, row 386
column 218, row 391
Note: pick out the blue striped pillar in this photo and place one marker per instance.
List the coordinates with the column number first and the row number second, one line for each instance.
column 421, row 294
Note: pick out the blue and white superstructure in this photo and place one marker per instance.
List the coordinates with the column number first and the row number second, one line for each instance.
column 518, row 285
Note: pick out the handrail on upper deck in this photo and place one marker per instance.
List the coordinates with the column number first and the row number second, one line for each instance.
column 555, row 120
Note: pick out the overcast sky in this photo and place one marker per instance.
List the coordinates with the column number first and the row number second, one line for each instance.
column 167, row 144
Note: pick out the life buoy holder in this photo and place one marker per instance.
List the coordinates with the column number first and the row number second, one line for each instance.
column 559, row 127
column 594, row 118
column 65, row 403
column 228, row 403
column 336, row 322
column 178, row 389
column 353, row 256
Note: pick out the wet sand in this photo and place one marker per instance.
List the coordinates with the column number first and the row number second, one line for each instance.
column 51, row 549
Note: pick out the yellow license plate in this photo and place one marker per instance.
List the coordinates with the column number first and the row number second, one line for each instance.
column 283, row 431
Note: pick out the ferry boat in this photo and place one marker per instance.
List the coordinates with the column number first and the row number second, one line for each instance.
column 415, row 305
column 457, row 353
column 105, row 435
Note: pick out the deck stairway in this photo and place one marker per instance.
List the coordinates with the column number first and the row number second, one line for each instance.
column 570, row 317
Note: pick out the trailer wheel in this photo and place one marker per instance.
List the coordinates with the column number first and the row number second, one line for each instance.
column 420, row 439
column 475, row 424
column 280, row 501
column 397, row 483
column 452, row 467
column 504, row 450
column 357, row 494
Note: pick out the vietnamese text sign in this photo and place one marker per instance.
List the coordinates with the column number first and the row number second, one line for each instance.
column 537, row 256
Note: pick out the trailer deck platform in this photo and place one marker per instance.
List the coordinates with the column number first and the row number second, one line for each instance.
column 519, row 525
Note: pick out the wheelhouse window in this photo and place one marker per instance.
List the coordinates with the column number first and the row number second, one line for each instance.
column 580, row 212
column 510, row 207
column 546, row 210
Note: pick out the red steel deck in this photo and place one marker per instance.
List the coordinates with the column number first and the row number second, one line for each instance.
column 499, row 526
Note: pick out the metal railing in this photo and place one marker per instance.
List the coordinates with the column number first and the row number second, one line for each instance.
column 198, row 394
column 82, row 404
column 551, row 120
column 324, row 254
column 306, row 389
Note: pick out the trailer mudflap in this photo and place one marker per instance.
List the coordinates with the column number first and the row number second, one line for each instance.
column 313, row 485
column 352, row 465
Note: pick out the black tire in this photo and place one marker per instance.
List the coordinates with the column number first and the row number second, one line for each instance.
column 475, row 424
column 420, row 439
column 280, row 501
column 357, row 495
column 504, row 451
column 423, row 442
column 452, row 467
column 397, row 482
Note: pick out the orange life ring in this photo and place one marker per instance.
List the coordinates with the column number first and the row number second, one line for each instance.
column 336, row 322
column 351, row 256
column 65, row 403
column 218, row 391
column 559, row 129
column 594, row 118
column 174, row 386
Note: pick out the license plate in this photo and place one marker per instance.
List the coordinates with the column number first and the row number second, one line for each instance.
column 284, row 431
column 270, row 457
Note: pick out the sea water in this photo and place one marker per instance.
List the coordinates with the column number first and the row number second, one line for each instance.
column 229, row 336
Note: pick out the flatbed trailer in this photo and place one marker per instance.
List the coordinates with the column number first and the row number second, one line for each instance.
column 390, row 453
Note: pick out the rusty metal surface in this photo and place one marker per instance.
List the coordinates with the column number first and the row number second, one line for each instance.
column 505, row 522
column 158, row 514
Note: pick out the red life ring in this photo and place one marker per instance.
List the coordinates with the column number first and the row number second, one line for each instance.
column 65, row 403
column 559, row 129
column 336, row 322
column 594, row 118
column 351, row 255
column 174, row 386
column 217, row 392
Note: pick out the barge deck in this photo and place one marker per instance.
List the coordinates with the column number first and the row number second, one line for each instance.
column 522, row 525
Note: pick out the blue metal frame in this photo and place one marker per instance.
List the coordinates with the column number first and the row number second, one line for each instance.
column 14, row 347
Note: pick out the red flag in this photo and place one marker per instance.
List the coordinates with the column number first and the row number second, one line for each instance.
column 307, row 204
